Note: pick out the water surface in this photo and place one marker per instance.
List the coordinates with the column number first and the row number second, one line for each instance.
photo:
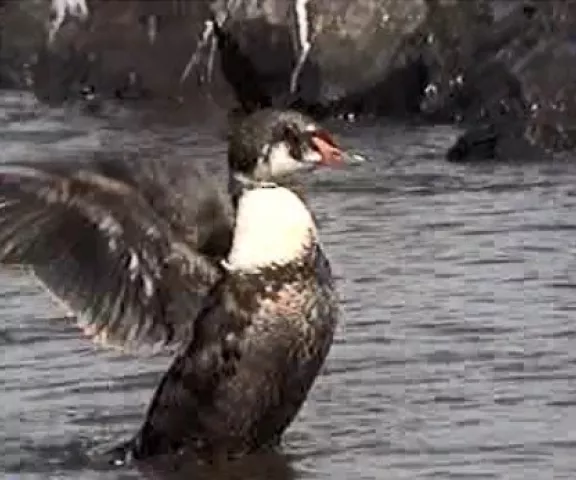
column 455, row 359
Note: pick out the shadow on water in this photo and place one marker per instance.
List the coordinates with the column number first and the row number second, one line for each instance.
column 75, row 461
column 255, row 467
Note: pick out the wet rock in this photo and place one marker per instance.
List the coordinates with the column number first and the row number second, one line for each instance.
column 333, row 56
column 366, row 58
column 502, row 69
column 126, row 50
column 22, row 26
column 514, row 92
column 315, row 52
column 237, row 66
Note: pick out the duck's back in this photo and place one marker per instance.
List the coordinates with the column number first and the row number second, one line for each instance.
column 190, row 193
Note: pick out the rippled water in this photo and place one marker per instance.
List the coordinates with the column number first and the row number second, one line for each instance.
column 456, row 357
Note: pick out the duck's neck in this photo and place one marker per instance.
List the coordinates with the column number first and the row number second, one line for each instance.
column 239, row 182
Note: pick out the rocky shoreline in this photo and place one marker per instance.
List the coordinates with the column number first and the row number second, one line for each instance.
column 503, row 70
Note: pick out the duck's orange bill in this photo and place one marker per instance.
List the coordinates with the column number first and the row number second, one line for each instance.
column 329, row 150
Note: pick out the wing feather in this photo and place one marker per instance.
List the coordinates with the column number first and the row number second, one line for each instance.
column 98, row 246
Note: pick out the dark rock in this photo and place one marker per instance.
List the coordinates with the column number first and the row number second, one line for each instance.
column 144, row 46
column 504, row 70
column 22, row 26
column 365, row 57
column 237, row 67
column 514, row 91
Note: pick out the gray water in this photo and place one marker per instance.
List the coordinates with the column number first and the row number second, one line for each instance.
column 455, row 359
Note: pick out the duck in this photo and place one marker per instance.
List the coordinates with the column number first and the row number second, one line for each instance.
column 232, row 280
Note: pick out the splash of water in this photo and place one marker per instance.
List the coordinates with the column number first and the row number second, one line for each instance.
column 208, row 39
column 62, row 8
column 303, row 31
column 152, row 28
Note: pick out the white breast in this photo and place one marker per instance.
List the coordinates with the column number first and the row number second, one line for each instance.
column 273, row 227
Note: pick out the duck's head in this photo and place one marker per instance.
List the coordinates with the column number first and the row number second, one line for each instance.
column 270, row 145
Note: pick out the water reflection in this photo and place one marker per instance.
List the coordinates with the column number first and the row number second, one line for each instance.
column 263, row 466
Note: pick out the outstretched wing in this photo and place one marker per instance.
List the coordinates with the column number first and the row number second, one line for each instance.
column 97, row 245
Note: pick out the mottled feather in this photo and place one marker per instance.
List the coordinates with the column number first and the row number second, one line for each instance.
column 99, row 246
column 257, row 346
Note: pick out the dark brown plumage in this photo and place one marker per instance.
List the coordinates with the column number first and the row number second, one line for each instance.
column 138, row 248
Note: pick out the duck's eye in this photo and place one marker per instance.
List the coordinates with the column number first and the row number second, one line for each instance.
column 294, row 141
